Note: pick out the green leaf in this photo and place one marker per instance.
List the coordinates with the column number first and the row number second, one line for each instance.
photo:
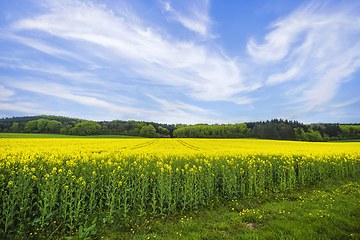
column 80, row 230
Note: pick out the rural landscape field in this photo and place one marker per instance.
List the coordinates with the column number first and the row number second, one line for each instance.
column 179, row 119
column 62, row 187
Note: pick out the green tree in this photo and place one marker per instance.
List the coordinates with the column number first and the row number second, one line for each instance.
column 53, row 126
column 41, row 125
column 63, row 130
column 86, row 128
column 326, row 138
column 69, row 129
column 163, row 131
column 148, row 131
column 30, row 126
column 300, row 135
column 91, row 128
column 15, row 127
column 151, row 130
column 193, row 132
column 143, row 131
column 314, row 136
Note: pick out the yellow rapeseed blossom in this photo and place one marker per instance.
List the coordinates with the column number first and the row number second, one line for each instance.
column 72, row 178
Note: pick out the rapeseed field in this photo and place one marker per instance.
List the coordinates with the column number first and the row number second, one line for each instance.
column 47, row 183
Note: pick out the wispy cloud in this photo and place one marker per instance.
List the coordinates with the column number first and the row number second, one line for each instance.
column 19, row 107
column 205, row 73
column 50, row 69
column 172, row 111
column 178, row 106
column 61, row 91
column 165, row 111
column 110, row 58
column 43, row 47
column 316, row 48
column 343, row 104
column 28, row 108
column 197, row 19
column 5, row 93
column 290, row 74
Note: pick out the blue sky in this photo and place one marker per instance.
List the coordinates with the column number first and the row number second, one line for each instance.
column 181, row 61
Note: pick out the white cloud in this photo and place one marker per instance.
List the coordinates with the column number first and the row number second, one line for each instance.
column 343, row 104
column 29, row 108
column 9, row 58
column 316, row 48
column 50, row 69
column 179, row 112
column 302, row 61
column 206, row 74
column 18, row 107
column 167, row 111
column 197, row 20
column 178, row 106
column 43, row 47
column 5, row 93
column 283, row 77
column 61, row 91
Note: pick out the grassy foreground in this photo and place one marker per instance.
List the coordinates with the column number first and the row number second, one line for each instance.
column 38, row 135
column 327, row 210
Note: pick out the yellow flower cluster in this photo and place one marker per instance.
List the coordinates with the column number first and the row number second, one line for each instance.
column 74, row 180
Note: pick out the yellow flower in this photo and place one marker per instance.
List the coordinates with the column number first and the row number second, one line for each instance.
column 10, row 183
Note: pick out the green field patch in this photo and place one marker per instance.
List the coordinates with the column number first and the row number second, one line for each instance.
column 328, row 210
column 349, row 140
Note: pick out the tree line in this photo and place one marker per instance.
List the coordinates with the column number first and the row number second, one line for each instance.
column 81, row 127
column 277, row 129
column 274, row 129
column 238, row 130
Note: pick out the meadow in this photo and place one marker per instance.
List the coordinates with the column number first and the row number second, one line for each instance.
column 68, row 187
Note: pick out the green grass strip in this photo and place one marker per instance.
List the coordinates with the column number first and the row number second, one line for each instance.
column 329, row 210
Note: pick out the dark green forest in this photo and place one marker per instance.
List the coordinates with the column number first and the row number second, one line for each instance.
column 274, row 129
